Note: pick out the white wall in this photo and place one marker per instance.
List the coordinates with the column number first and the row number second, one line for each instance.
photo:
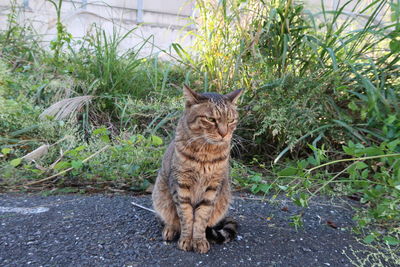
column 165, row 20
column 352, row 9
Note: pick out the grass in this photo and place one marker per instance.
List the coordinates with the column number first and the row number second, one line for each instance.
column 320, row 113
column 384, row 255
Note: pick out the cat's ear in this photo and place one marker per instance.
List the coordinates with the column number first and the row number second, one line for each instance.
column 234, row 96
column 191, row 96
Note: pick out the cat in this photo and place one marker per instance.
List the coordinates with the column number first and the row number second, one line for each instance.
column 192, row 191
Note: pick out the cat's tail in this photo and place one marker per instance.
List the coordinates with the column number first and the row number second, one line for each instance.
column 223, row 232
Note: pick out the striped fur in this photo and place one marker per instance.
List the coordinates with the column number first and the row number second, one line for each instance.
column 192, row 191
column 223, row 232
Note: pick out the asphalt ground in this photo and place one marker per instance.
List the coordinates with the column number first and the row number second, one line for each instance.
column 103, row 230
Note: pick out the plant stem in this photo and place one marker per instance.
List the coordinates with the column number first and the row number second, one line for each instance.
column 353, row 159
column 66, row 170
column 330, row 180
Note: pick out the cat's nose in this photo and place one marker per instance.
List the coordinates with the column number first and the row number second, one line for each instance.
column 223, row 131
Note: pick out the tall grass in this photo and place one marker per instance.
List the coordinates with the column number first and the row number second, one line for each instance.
column 111, row 76
column 19, row 44
column 274, row 48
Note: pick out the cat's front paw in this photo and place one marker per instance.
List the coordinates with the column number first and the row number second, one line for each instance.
column 169, row 233
column 185, row 243
column 201, row 245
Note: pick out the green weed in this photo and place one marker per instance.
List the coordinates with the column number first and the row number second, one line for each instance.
column 129, row 164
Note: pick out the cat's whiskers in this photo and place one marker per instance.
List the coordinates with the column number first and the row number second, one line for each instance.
column 237, row 145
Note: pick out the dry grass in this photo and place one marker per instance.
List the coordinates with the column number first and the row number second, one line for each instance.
column 65, row 108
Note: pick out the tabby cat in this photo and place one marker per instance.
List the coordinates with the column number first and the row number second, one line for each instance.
column 192, row 192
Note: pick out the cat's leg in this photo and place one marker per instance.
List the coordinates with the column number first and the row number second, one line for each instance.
column 184, row 209
column 202, row 214
column 165, row 207
column 172, row 225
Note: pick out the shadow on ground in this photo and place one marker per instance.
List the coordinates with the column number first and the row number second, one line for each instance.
column 109, row 231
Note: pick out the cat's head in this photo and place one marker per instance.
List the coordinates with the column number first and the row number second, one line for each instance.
column 211, row 116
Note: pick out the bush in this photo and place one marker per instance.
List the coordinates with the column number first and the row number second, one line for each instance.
column 129, row 164
column 16, row 115
column 286, row 109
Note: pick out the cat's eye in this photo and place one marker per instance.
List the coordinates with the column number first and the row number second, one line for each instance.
column 231, row 120
column 211, row 119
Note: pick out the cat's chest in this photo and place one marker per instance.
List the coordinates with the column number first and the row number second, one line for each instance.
column 200, row 183
column 202, row 176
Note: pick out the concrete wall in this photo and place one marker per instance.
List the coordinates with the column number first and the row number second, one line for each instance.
column 351, row 10
column 165, row 21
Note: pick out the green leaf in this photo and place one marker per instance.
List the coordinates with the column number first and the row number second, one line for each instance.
column 62, row 165
column 6, row 150
column 289, row 171
column 394, row 46
column 369, row 239
column 390, row 119
column 143, row 186
column 101, row 130
column 312, row 161
column 265, row 188
column 369, row 151
column 156, row 141
column 301, row 200
column 397, row 187
column 352, row 106
column 313, row 148
column 361, row 165
column 255, row 188
column 392, row 145
column 139, row 138
column 80, row 148
column 256, row 178
column 364, row 174
column 348, row 150
column 105, row 138
column 342, row 88
column 392, row 241
column 302, row 164
column 16, row 162
column 76, row 164
column 283, row 187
